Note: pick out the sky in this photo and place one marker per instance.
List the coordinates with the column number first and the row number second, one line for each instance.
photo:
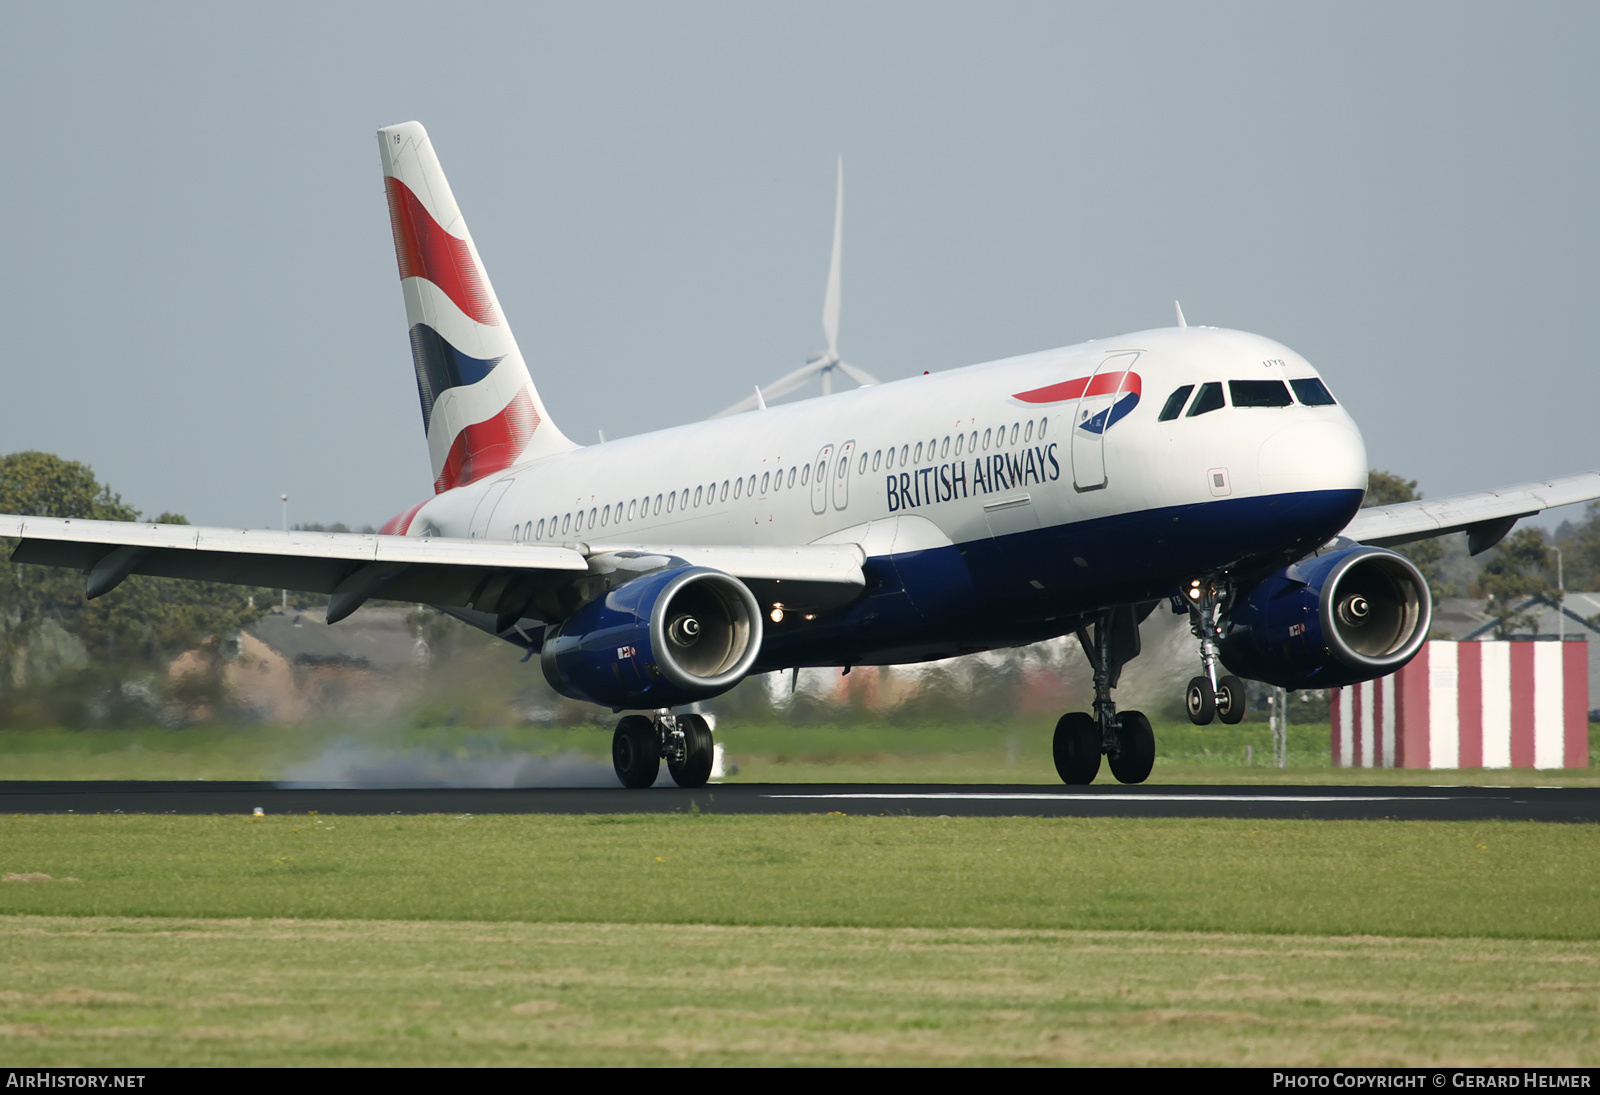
column 201, row 299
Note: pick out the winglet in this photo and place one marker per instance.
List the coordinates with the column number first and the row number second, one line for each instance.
column 1181, row 321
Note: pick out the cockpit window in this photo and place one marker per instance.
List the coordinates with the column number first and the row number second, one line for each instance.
column 1209, row 399
column 1259, row 393
column 1312, row 392
column 1175, row 403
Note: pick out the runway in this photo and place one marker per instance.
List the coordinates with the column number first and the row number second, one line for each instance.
column 1550, row 804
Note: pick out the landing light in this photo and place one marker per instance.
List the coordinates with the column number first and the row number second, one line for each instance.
column 776, row 614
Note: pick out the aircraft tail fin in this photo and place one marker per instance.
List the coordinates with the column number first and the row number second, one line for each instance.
column 480, row 409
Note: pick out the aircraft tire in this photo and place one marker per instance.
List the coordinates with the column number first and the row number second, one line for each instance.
column 634, row 752
column 1077, row 748
column 1137, row 754
column 698, row 753
column 1230, row 700
column 1199, row 701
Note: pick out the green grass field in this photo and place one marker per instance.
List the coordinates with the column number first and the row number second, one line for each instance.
column 1015, row 752
column 703, row 939
column 821, row 939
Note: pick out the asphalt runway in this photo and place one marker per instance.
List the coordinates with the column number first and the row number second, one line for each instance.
column 1558, row 804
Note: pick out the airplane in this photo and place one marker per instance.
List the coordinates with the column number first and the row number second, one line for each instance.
column 1073, row 491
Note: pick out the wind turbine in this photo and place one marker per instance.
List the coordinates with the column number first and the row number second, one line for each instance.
column 829, row 361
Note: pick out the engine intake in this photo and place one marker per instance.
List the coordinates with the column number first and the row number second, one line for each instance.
column 662, row 639
column 1333, row 619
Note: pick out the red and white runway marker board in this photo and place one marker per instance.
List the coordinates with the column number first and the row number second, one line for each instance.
column 1470, row 705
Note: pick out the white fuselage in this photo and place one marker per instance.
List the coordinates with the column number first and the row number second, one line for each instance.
column 633, row 490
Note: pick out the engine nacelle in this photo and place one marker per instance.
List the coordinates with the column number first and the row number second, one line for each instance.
column 662, row 639
column 1346, row 616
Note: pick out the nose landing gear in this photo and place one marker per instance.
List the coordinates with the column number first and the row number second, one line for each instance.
column 1209, row 696
column 640, row 745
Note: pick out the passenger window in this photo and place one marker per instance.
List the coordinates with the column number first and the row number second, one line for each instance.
column 972, row 442
column 539, row 533
column 766, row 481
column 1258, row 393
column 986, row 435
column 1044, row 423
column 658, row 506
column 1209, row 399
column 751, row 487
column 699, row 492
column 577, row 526
column 1312, row 392
column 633, row 509
column 889, row 460
column 905, row 451
column 805, row 474
column 917, row 456
column 863, row 468
column 605, row 515
column 1013, row 433
column 566, row 523
column 724, row 496
column 791, row 478
column 1174, row 404
column 960, row 442
column 671, row 498
column 877, row 459
column 738, row 487
column 944, row 449
column 683, row 499
column 1027, row 435
column 591, row 518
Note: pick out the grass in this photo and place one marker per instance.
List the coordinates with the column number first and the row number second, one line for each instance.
column 1012, row 752
column 823, row 939
column 129, row 993
column 1383, row 878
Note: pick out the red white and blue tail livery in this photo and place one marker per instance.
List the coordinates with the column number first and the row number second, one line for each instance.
column 480, row 409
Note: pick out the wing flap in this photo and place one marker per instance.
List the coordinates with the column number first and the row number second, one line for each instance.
column 484, row 575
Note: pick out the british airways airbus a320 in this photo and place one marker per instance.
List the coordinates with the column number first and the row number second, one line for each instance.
column 1074, row 491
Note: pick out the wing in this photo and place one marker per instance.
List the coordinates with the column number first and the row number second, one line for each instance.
column 1485, row 516
column 509, row 581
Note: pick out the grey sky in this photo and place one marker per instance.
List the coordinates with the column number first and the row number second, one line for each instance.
column 201, row 300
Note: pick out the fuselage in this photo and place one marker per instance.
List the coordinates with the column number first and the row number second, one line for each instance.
column 996, row 503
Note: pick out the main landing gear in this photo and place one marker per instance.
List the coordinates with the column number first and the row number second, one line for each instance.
column 1209, row 696
column 1124, row 739
column 640, row 744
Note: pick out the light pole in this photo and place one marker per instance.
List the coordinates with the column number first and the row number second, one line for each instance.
column 285, row 498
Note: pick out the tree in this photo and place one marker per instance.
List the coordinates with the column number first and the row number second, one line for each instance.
column 50, row 631
column 1520, row 567
column 1385, row 489
column 1580, row 550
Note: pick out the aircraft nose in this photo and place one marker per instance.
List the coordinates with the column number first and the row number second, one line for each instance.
column 1313, row 456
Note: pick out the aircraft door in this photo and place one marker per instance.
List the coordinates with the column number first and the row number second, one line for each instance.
column 486, row 507
column 819, row 481
column 841, row 475
column 1092, row 416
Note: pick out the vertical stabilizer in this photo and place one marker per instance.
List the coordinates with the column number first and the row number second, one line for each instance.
column 479, row 406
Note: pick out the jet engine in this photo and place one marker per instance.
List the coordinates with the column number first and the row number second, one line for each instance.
column 1345, row 616
column 665, row 638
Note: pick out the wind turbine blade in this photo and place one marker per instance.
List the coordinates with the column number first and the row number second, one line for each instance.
column 745, row 404
column 860, row 376
column 791, row 382
column 830, row 299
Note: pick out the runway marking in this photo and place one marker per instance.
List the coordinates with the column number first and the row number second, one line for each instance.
column 1049, row 797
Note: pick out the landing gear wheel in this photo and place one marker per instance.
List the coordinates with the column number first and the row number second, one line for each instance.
column 634, row 752
column 1230, row 700
column 1137, row 748
column 698, row 752
column 1200, row 702
column 1077, row 748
